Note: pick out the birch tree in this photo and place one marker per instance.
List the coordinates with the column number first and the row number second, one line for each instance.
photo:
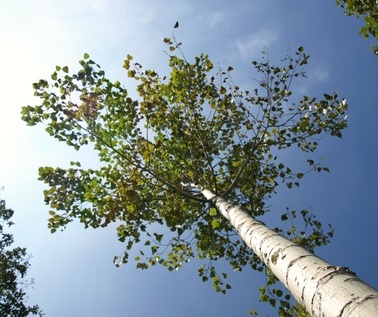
column 321, row 288
column 192, row 126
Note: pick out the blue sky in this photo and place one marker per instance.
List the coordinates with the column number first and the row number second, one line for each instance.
column 73, row 270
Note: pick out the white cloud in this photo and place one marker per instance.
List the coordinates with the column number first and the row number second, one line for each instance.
column 316, row 76
column 67, row 6
column 320, row 74
column 215, row 18
column 98, row 5
column 256, row 42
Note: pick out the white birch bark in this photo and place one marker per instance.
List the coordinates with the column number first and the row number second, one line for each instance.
column 321, row 288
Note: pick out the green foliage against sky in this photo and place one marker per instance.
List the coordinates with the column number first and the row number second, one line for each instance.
column 193, row 126
column 14, row 264
column 368, row 10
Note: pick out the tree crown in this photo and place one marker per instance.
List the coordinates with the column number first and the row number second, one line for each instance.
column 194, row 126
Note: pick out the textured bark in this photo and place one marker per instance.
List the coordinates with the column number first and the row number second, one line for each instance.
column 323, row 289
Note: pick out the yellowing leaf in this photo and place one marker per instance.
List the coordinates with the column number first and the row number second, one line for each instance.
column 213, row 212
column 215, row 224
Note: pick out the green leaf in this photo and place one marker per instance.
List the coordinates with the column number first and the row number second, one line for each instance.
column 180, row 231
column 213, row 211
column 158, row 237
column 328, row 97
column 215, row 223
column 86, row 56
column 154, row 249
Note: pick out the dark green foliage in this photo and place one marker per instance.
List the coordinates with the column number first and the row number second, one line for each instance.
column 14, row 263
column 368, row 9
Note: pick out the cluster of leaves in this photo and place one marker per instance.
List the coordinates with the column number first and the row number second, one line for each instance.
column 14, row 263
column 194, row 126
column 368, row 9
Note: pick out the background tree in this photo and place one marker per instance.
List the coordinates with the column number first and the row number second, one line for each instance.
column 368, row 9
column 14, row 264
column 194, row 126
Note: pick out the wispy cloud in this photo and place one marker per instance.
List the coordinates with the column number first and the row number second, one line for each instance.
column 256, row 42
column 98, row 5
column 320, row 74
column 215, row 18
column 316, row 77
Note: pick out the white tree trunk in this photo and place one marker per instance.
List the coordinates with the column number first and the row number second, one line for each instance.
column 321, row 288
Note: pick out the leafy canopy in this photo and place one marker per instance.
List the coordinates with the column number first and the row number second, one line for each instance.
column 194, row 126
column 14, row 263
column 368, row 9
